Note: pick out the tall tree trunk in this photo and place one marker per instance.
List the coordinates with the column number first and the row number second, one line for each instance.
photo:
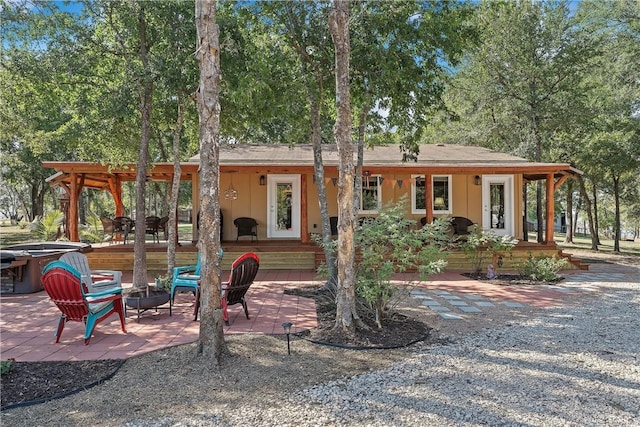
column 569, row 214
column 140, row 280
column 82, row 207
column 362, row 125
column 211, row 343
column 172, row 225
column 616, row 194
column 315, row 84
column 38, row 190
column 347, row 318
column 596, row 225
column 587, row 205
column 577, row 213
column 315, row 103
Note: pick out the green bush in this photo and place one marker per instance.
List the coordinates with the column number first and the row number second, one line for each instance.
column 392, row 244
column 480, row 244
column 6, row 366
column 543, row 268
column 163, row 281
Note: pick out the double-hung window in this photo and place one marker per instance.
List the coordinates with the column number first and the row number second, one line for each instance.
column 371, row 196
column 440, row 196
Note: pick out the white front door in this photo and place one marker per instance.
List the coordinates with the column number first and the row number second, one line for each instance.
column 497, row 204
column 283, row 199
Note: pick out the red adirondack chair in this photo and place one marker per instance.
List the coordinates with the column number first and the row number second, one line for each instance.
column 65, row 288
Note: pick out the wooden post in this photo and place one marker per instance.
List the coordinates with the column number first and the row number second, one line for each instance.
column 304, row 217
column 195, row 205
column 550, row 209
column 74, row 234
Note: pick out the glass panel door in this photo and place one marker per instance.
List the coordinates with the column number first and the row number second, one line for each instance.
column 497, row 202
column 496, row 205
column 284, row 206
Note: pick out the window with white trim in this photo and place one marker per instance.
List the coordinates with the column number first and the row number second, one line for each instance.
column 440, row 197
column 371, row 196
column 418, row 204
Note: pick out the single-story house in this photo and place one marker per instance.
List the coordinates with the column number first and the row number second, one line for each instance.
column 274, row 184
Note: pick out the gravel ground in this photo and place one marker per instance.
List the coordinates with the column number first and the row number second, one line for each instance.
column 574, row 365
column 571, row 366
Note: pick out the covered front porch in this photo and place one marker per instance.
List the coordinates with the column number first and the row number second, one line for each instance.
column 275, row 186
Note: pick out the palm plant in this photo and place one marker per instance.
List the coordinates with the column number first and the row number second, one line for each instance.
column 48, row 227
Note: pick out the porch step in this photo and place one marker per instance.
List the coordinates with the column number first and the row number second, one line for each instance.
column 458, row 261
column 579, row 265
column 157, row 261
column 283, row 256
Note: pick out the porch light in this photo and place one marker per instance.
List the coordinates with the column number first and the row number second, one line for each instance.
column 477, row 180
column 263, row 180
column 287, row 330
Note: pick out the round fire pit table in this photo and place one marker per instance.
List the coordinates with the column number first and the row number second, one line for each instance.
column 147, row 299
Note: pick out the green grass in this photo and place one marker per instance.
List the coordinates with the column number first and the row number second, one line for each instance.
column 13, row 235
column 606, row 245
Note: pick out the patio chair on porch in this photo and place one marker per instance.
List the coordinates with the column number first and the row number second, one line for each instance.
column 107, row 227
column 123, row 225
column 461, row 225
column 106, row 278
column 243, row 272
column 163, row 226
column 246, row 227
column 64, row 286
column 152, row 224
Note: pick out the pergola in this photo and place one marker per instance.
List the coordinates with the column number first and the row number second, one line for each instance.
column 72, row 177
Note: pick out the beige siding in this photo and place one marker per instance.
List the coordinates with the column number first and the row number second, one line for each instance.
column 252, row 199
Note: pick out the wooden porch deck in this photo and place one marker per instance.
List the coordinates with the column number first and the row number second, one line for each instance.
column 274, row 255
column 285, row 255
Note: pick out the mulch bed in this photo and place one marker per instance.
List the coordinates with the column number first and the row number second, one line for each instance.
column 35, row 381
column 397, row 330
column 510, row 279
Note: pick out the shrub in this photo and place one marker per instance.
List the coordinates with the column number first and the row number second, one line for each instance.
column 163, row 281
column 543, row 268
column 6, row 366
column 389, row 245
column 481, row 243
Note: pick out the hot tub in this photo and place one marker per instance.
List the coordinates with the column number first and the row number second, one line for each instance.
column 22, row 264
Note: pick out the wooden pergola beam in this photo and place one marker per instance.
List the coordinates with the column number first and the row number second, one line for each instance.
column 560, row 181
